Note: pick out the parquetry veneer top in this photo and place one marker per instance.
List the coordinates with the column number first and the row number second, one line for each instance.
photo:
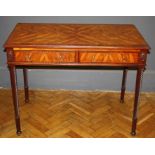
column 76, row 36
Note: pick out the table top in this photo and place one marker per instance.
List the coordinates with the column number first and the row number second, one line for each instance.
column 39, row 35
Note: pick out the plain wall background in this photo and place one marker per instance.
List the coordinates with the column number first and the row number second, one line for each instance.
column 81, row 79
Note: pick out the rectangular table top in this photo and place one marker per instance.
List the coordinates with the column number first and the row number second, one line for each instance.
column 42, row 35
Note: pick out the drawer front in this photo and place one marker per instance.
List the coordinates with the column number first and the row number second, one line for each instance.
column 44, row 56
column 103, row 57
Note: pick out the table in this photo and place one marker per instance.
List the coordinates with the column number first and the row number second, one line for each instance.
column 78, row 46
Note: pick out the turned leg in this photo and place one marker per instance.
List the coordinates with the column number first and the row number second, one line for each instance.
column 136, row 100
column 123, row 85
column 13, row 79
column 26, row 89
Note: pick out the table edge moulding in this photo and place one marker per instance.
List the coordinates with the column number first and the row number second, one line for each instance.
column 79, row 46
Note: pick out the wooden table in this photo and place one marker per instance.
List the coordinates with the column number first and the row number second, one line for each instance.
column 78, row 46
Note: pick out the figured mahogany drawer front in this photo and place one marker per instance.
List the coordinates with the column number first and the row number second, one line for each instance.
column 44, row 56
column 103, row 57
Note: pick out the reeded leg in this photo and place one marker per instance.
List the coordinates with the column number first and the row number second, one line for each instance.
column 123, row 85
column 136, row 100
column 15, row 97
column 26, row 89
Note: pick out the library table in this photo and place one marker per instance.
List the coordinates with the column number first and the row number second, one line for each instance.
column 78, row 46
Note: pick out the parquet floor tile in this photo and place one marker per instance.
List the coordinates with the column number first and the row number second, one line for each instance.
column 76, row 114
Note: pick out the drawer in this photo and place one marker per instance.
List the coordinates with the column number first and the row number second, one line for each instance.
column 44, row 56
column 106, row 57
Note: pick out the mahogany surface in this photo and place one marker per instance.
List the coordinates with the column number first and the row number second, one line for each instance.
column 113, row 45
column 76, row 35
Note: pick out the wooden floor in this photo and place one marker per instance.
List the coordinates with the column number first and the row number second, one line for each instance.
column 76, row 114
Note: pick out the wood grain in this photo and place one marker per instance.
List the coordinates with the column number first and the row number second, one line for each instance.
column 75, row 56
column 35, row 45
column 69, row 57
column 44, row 57
column 76, row 44
column 106, row 57
column 76, row 114
column 76, row 35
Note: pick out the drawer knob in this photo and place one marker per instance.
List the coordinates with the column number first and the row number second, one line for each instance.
column 93, row 58
column 124, row 58
column 61, row 58
column 28, row 57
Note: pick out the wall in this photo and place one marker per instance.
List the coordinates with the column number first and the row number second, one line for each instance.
column 71, row 79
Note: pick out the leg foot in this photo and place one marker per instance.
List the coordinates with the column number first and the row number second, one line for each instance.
column 26, row 100
column 136, row 100
column 133, row 133
column 121, row 101
column 19, row 132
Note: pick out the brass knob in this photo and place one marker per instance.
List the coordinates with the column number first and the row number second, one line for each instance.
column 28, row 57
column 124, row 58
column 61, row 58
column 93, row 58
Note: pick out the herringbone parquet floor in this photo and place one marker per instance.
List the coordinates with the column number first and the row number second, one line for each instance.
column 76, row 114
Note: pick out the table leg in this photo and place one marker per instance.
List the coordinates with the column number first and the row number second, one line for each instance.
column 26, row 89
column 13, row 79
column 123, row 85
column 136, row 100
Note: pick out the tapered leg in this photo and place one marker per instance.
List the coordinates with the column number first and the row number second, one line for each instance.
column 26, row 89
column 136, row 100
column 123, row 85
column 15, row 97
